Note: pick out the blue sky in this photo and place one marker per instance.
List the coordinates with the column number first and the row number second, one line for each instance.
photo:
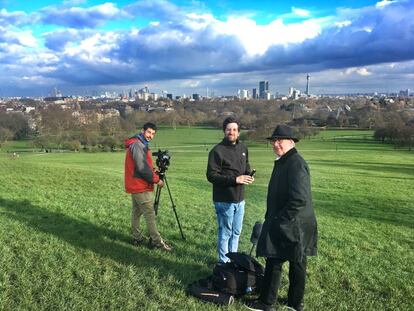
column 185, row 47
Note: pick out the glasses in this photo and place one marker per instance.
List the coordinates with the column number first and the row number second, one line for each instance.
column 279, row 140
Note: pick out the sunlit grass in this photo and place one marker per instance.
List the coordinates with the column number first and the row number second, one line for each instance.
column 64, row 227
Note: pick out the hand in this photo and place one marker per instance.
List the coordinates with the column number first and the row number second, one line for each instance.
column 244, row 179
column 160, row 183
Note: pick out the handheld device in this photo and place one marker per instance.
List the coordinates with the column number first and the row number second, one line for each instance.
column 252, row 173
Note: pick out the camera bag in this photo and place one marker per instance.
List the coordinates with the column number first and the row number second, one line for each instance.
column 204, row 290
column 243, row 274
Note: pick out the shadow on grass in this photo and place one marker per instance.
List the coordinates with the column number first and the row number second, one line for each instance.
column 102, row 241
column 343, row 207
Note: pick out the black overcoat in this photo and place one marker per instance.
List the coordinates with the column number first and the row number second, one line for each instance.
column 289, row 231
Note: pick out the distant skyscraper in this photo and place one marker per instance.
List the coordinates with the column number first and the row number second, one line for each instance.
column 307, row 84
column 254, row 93
column 263, row 89
column 291, row 89
column 243, row 94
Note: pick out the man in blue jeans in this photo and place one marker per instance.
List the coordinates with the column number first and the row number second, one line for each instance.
column 228, row 170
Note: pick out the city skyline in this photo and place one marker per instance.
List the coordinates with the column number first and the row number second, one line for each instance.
column 185, row 47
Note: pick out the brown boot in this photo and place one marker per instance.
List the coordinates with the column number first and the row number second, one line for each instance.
column 162, row 246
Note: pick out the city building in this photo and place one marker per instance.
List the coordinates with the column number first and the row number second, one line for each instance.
column 254, row 93
column 243, row 94
column 307, row 85
column 263, row 89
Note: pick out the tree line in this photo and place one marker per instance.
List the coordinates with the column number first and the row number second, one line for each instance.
column 89, row 127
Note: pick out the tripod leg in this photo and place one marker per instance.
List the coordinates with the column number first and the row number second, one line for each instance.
column 173, row 207
column 157, row 199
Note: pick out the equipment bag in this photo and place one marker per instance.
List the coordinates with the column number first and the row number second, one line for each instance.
column 230, row 278
column 203, row 289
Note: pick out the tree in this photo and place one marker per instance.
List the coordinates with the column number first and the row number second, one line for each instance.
column 5, row 135
column 17, row 123
column 57, row 124
column 110, row 126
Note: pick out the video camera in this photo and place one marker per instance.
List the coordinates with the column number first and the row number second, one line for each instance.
column 163, row 160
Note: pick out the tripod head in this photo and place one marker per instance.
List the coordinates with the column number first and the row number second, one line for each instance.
column 162, row 161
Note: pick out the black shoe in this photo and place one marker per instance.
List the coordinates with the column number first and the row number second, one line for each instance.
column 138, row 242
column 257, row 305
column 297, row 308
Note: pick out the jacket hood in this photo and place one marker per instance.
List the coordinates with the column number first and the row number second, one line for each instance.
column 129, row 141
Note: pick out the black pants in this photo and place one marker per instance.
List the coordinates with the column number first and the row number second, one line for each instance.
column 271, row 281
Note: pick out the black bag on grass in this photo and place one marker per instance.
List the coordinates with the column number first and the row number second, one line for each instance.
column 203, row 289
column 243, row 274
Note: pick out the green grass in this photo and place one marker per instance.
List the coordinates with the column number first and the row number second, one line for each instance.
column 64, row 227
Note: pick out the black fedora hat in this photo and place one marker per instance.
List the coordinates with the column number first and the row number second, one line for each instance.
column 283, row 132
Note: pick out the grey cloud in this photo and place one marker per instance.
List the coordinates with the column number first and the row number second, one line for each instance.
column 158, row 9
column 78, row 17
column 151, row 55
column 58, row 39
column 173, row 50
column 378, row 36
column 13, row 18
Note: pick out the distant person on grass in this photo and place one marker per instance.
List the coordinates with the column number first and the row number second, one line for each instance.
column 228, row 170
column 289, row 232
column 140, row 178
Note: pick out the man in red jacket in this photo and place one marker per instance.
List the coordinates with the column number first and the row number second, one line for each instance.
column 140, row 178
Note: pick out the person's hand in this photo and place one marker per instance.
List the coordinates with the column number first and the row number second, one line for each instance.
column 244, row 179
column 160, row 183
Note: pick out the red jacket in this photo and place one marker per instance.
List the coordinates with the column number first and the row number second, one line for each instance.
column 139, row 175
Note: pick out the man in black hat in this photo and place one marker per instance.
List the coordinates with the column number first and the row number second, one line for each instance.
column 289, row 231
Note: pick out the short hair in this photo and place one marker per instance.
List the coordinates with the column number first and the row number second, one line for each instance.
column 149, row 125
column 231, row 120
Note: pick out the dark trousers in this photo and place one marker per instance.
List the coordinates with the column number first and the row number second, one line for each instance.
column 271, row 281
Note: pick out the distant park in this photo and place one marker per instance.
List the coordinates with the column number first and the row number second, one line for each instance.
column 65, row 240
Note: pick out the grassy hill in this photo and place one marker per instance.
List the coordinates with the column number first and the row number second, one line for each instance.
column 65, row 243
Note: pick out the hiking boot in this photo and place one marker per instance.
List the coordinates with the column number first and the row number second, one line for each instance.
column 162, row 246
column 257, row 305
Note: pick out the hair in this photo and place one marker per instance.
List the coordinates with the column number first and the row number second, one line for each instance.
column 231, row 120
column 149, row 125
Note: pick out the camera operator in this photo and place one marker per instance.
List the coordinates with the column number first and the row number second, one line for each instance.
column 140, row 178
column 228, row 170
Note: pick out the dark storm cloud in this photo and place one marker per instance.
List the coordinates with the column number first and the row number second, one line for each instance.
column 157, row 53
column 175, row 50
column 377, row 36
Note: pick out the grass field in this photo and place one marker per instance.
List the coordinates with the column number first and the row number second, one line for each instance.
column 65, row 243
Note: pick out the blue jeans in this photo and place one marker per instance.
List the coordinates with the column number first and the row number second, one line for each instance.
column 230, row 220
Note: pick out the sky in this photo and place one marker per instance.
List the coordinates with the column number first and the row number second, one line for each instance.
column 206, row 47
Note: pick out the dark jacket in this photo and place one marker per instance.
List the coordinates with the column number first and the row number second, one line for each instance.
column 139, row 175
column 226, row 161
column 290, row 229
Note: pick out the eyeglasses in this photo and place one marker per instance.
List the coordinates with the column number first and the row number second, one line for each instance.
column 279, row 140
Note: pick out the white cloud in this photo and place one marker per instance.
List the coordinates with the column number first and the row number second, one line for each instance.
column 359, row 71
column 341, row 24
column 93, row 48
column 256, row 39
column 300, row 12
column 383, row 3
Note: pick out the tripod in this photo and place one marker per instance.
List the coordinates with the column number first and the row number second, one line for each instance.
column 163, row 177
